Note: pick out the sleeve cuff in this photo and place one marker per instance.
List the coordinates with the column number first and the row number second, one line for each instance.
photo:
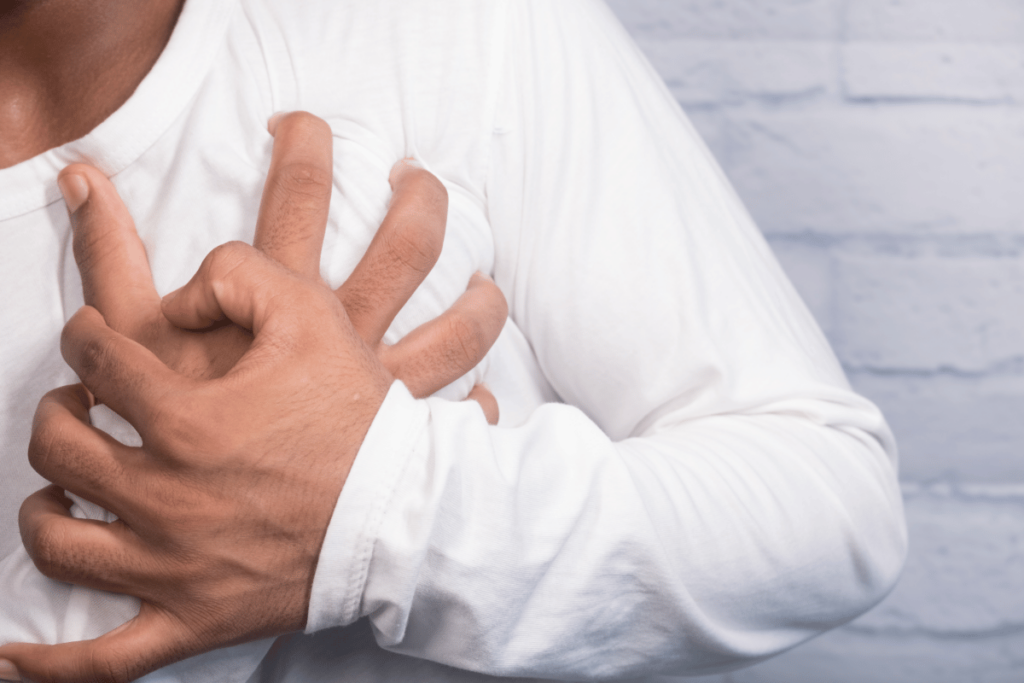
column 348, row 545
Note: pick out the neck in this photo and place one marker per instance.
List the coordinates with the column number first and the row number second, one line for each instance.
column 66, row 65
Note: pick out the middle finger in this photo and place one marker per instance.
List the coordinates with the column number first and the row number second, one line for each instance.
column 85, row 552
column 297, row 194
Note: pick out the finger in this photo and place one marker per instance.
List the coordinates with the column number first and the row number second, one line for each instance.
column 81, row 551
column 116, row 278
column 297, row 194
column 149, row 641
column 482, row 395
column 235, row 282
column 68, row 451
column 120, row 372
column 401, row 255
column 438, row 352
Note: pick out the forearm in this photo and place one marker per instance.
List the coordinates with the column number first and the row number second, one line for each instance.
column 549, row 550
column 712, row 494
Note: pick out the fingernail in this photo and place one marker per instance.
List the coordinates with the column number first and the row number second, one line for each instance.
column 403, row 166
column 8, row 672
column 274, row 120
column 75, row 190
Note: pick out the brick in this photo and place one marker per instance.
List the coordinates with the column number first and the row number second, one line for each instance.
column 965, row 573
column 779, row 19
column 947, row 20
column 906, row 169
column 849, row 656
column 702, row 72
column 957, row 614
column 712, row 128
column 809, row 268
column 956, row 429
column 938, row 71
column 929, row 313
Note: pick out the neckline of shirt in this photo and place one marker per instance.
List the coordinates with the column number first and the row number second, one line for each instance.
column 127, row 133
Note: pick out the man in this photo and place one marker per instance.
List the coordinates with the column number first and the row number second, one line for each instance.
column 709, row 493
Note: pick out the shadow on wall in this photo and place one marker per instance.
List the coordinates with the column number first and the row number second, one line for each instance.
column 880, row 146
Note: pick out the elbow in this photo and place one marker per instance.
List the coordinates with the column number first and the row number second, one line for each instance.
column 850, row 557
column 874, row 527
column 878, row 554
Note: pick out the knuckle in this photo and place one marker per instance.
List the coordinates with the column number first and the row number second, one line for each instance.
column 427, row 192
column 47, row 546
column 173, row 425
column 412, row 246
column 96, row 355
column 410, row 252
column 46, row 445
column 357, row 300
column 465, row 340
column 228, row 255
column 224, row 258
column 112, row 665
column 74, row 328
column 92, row 248
column 303, row 178
column 495, row 303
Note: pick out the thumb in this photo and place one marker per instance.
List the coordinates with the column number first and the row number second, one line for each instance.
column 149, row 641
column 116, row 278
column 238, row 283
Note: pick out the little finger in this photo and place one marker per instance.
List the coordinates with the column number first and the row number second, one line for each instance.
column 482, row 395
column 71, row 453
column 440, row 351
column 137, row 647
column 84, row 552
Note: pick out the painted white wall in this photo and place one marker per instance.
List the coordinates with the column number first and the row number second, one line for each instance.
column 880, row 146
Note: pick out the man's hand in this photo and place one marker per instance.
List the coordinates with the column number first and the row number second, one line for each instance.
column 224, row 508
column 117, row 281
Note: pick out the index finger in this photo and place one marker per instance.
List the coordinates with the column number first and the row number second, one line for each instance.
column 116, row 278
column 297, row 194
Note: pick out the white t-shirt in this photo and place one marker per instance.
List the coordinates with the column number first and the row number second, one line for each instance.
column 682, row 480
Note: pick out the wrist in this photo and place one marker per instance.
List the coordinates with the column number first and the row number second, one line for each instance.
column 349, row 538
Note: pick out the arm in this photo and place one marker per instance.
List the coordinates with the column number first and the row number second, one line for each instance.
column 711, row 494
column 67, row 448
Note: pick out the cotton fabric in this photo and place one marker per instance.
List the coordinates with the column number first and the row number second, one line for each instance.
column 682, row 481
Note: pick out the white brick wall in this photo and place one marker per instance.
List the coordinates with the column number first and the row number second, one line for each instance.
column 880, row 146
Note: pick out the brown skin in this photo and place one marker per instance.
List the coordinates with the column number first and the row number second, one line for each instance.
column 66, row 65
column 293, row 215
column 224, row 508
column 234, row 422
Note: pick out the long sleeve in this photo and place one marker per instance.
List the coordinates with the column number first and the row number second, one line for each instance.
column 710, row 492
